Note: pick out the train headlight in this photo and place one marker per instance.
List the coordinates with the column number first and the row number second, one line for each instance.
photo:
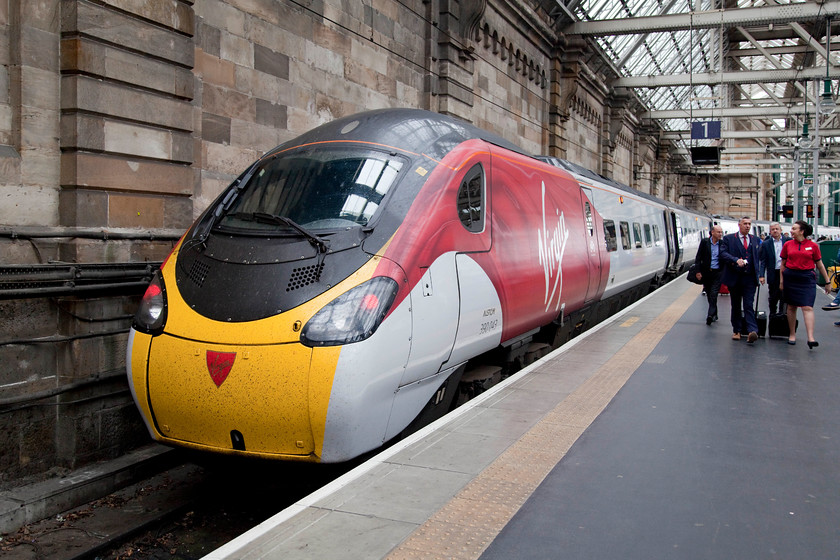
column 151, row 316
column 353, row 316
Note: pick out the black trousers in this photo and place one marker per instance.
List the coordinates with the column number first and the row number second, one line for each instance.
column 742, row 294
column 711, row 285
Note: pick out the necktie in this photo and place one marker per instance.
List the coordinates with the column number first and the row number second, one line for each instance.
column 745, row 243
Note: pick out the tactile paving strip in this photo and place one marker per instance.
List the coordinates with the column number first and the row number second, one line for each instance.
column 467, row 524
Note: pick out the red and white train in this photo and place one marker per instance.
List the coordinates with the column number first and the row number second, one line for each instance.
column 335, row 294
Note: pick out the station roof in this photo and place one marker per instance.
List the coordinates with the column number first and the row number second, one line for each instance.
column 759, row 67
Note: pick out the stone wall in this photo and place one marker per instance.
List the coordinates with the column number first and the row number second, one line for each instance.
column 118, row 116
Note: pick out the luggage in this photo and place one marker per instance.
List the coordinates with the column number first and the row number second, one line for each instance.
column 761, row 321
column 724, row 289
column 778, row 324
column 760, row 318
column 692, row 274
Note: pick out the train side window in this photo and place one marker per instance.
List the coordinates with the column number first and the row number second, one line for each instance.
column 471, row 199
column 589, row 222
column 637, row 234
column 648, row 241
column 625, row 236
column 609, row 235
column 657, row 239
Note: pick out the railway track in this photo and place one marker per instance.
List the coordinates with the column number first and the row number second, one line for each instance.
column 183, row 512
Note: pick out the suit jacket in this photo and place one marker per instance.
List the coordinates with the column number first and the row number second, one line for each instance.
column 731, row 249
column 703, row 259
column 767, row 258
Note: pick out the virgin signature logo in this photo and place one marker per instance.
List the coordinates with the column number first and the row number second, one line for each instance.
column 552, row 244
column 219, row 365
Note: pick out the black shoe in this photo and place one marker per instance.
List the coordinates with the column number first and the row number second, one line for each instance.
column 813, row 344
column 709, row 320
column 715, row 318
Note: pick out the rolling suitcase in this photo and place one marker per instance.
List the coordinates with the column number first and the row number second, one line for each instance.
column 778, row 324
column 761, row 322
column 760, row 318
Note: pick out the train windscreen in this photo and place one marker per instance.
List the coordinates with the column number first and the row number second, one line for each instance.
column 323, row 188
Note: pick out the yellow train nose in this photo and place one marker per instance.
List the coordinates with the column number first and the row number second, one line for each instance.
column 246, row 398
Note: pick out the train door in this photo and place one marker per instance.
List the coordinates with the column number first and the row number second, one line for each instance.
column 437, row 302
column 672, row 222
column 670, row 240
column 678, row 239
column 593, row 242
column 479, row 323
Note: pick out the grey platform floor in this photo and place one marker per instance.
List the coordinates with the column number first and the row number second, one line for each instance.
column 650, row 436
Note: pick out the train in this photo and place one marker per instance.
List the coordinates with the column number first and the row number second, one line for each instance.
column 353, row 283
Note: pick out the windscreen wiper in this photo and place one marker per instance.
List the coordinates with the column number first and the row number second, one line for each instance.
column 264, row 217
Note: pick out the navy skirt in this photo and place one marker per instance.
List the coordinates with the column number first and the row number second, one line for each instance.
column 800, row 287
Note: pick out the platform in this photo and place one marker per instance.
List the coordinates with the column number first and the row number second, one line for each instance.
column 650, row 436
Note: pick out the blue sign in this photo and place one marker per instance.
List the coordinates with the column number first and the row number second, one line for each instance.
column 701, row 130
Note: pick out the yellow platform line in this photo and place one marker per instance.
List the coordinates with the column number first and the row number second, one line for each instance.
column 467, row 524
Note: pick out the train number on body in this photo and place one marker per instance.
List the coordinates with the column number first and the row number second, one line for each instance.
column 489, row 324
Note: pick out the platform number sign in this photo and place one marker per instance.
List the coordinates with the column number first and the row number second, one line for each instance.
column 701, row 130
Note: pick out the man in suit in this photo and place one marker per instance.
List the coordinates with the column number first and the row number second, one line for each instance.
column 709, row 263
column 739, row 253
column 769, row 263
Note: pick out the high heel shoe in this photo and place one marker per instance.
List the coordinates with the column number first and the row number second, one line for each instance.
column 813, row 344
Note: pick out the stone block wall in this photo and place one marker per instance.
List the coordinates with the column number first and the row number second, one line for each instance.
column 29, row 114
column 512, row 64
column 266, row 72
column 126, row 113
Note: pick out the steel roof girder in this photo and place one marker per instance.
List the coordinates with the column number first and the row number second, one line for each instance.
column 748, row 134
column 733, row 170
column 762, row 15
column 714, row 78
column 725, row 112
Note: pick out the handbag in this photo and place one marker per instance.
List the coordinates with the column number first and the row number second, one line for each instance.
column 692, row 274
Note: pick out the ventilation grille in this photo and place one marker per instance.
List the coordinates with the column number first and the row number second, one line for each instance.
column 198, row 272
column 302, row 277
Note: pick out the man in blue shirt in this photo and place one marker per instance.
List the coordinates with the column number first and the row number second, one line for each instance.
column 708, row 261
column 769, row 262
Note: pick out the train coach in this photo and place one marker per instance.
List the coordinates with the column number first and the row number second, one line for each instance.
column 339, row 292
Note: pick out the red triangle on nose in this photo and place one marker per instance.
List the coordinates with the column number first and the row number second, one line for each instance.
column 219, row 365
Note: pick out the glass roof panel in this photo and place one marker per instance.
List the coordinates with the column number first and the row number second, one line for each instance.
column 684, row 53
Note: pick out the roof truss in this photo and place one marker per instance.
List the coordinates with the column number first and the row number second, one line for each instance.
column 756, row 65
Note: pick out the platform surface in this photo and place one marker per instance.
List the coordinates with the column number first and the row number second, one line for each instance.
column 651, row 436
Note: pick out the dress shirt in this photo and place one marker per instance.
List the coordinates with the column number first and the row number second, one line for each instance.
column 777, row 246
column 715, row 264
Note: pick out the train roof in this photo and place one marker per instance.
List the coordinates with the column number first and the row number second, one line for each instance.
column 413, row 130
column 584, row 172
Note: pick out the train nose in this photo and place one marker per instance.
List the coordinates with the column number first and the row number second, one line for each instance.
column 243, row 398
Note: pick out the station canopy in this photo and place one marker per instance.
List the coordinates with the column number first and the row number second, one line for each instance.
column 761, row 69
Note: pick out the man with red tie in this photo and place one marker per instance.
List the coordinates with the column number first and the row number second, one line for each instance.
column 739, row 255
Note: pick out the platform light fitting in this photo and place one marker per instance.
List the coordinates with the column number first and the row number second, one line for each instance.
column 827, row 106
column 805, row 141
